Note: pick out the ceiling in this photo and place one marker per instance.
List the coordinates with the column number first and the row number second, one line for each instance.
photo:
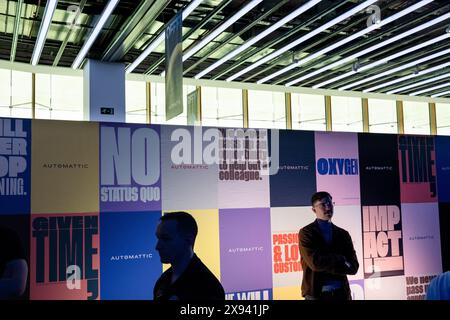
column 404, row 55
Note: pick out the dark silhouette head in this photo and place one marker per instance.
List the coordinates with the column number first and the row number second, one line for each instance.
column 176, row 233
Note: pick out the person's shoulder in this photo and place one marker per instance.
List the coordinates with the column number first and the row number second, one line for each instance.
column 308, row 228
column 207, row 284
column 341, row 230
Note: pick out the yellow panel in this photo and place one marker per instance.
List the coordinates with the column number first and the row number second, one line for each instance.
column 207, row 241
column 287, row 293
column 65, row 167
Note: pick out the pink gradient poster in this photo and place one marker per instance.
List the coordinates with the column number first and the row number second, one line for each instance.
column 65, row 257
column 417, row 166
column 337, row 166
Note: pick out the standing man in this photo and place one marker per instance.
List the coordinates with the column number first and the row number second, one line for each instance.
column 187, row 278
column 327, row 254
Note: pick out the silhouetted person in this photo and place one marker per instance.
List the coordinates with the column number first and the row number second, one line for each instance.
column 327, row 254
column 187, row 278
column 439, row 288
column 13, row 265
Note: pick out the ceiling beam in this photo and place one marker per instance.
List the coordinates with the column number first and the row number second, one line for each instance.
column 68, row 33
column 16, row 29
column 138, row 23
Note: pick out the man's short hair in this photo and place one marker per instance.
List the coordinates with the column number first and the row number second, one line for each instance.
column 186, row 224
column 319, row 196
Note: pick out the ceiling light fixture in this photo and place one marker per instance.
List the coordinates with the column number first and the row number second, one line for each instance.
column 160, row 38
column 95, row 32
column 221, row 28
column 302, row 39
column 43, row 30
column 384, row 60
column 410, row 76
column 254, row 40
column 443, row 85
column 372, row 48
column 345, row 41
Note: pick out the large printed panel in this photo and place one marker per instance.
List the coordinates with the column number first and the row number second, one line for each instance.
column 382, row 241
column 443, row 167
column 65, row 167
column 378, row 157
column 15, row 155
column 65, row 254
column 357, row 289
column 207, row 245
column 337, row 166
column 129, row 260
column 286, row 223
column 15, row 244
column 388, row 288
column 444, row 224
column 245, row 249
column 243, row 168
column 295, row 180
column 416, row 155
column 130, row 178
column 349, row 218
column 421, row 241
column 189, row 167
column 416, row 286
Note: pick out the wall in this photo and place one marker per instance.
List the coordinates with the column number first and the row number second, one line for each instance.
column 90, row 194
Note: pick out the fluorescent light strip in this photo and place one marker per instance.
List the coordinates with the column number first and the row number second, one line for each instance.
column 384, row 60
column 347, row 40
column 302, row 39
column 413, row 75
column 221, row 28
column 370, row 49
column 160, row 38
column 254, row 40
column 43, row 30
column 391, row 71
column 441, row 94
column 443, row 85
column 98, row 27
column 190, row 8
column 418, row 84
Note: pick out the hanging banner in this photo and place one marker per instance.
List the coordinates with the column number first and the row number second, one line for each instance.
column 174, row 68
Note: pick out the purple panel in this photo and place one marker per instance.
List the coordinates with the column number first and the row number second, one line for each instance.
column 245, row 249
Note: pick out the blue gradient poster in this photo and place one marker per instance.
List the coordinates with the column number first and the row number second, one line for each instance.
column 443, row 167
column 295, row 180
column 130, row 263
column 15, row 155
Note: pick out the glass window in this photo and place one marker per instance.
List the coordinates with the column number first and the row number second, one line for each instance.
column 158, row 105
column 59, row 97
column 346, row 114
column 443, row 118
column 135, row 102
column 222, row 107
column 15, row 94
column 308, row 112
column 266, row 109
column 5, row 93
column 416, row 117
column 382, row 116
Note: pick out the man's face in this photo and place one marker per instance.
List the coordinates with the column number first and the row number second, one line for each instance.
column 171, row 244
column 323, row 208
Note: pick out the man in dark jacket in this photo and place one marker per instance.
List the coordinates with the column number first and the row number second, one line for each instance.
column 188, row 278
column 327, row 254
